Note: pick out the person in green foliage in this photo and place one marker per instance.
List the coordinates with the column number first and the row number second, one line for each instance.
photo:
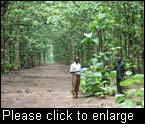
column 120, row 72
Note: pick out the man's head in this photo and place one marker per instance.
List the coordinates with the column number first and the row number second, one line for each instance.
column 119, row 59
column 77, row 59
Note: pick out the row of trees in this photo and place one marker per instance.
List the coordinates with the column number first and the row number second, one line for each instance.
column 31, row 30
column 24, row 34
column 87, row 28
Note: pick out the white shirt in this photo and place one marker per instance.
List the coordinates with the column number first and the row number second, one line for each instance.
column 75, row 67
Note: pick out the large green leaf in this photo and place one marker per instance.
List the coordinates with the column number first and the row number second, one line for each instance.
column 139, row 81
column 97, row 65
column 95, row 41
column 84, row 40
column 112, row 74
column 130, row 93
column 82, row 82
column 97, row 74
column 119, row 98
column 106, row 58
column 99, row 93
column 101, row 15
column 88, row 35
column 139, row 93
column 107, row 82
column 94, row 60
column 128, row 73
column 128, row 103
column 128, row 82
column 138, row 76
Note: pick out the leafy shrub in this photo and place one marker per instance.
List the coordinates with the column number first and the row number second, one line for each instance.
column 133, row 98
column 95, row 77
column 10, row 67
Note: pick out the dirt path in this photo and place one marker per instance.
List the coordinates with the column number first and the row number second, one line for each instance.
column 47, row 86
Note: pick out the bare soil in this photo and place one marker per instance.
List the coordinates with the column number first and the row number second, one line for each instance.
column 46, row 86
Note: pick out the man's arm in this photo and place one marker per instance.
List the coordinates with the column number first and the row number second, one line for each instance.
column 71, row 69
column 124, row 70
column 74, row 71
column 110, row 68
column 124, row 67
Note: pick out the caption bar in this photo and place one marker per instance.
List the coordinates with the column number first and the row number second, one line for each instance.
column 120, row 116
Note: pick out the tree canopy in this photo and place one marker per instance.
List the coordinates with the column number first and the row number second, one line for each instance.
column 33, row 32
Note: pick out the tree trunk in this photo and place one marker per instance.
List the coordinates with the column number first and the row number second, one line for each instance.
column 99, row 33
column 143, row 61
column 2, row 50
column 18, row 54
column 138, row 61
column 39, row 58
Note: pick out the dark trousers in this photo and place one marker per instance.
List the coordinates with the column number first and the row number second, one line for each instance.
column 75, row 85
column 119, row 88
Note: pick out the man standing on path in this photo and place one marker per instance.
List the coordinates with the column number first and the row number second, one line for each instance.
column 75, row 70
column 120, row 71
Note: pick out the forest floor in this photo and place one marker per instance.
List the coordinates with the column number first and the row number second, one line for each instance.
column 46, row 86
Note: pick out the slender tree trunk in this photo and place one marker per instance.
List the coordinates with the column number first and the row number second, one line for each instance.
column 120, row 44
column 17, row 50
column 44, row 57
column 143, row 54
column 39, row 58
column 17, row 44
column 99, row 33
column 2, row 49
column 138, row 61
column 18, row 54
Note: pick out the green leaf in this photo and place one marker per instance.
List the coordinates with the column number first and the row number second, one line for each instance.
column 113, row 48
column 101, row 15
column 83, row 82
column 94, row 60
column 128, row 73
column 107, row 82
column 139, row 81
column 95, row 83
column 134, row 66
column 93, row 26
column 112, row 74
column 117, row 25
column 88, row 35
column 130, row 93
column 48, row 20
column 118, row 47
column 97, row 65
column 127, row 82
column 138, row 76
column 128, row 65
column 132, row 81
column 97, row 74
column 99, row 93
column 128, row 103
column 95, row 41
column 111, row 21
column 84, row 40
column 106, row 58
column 139, row 93
column 119, row 98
